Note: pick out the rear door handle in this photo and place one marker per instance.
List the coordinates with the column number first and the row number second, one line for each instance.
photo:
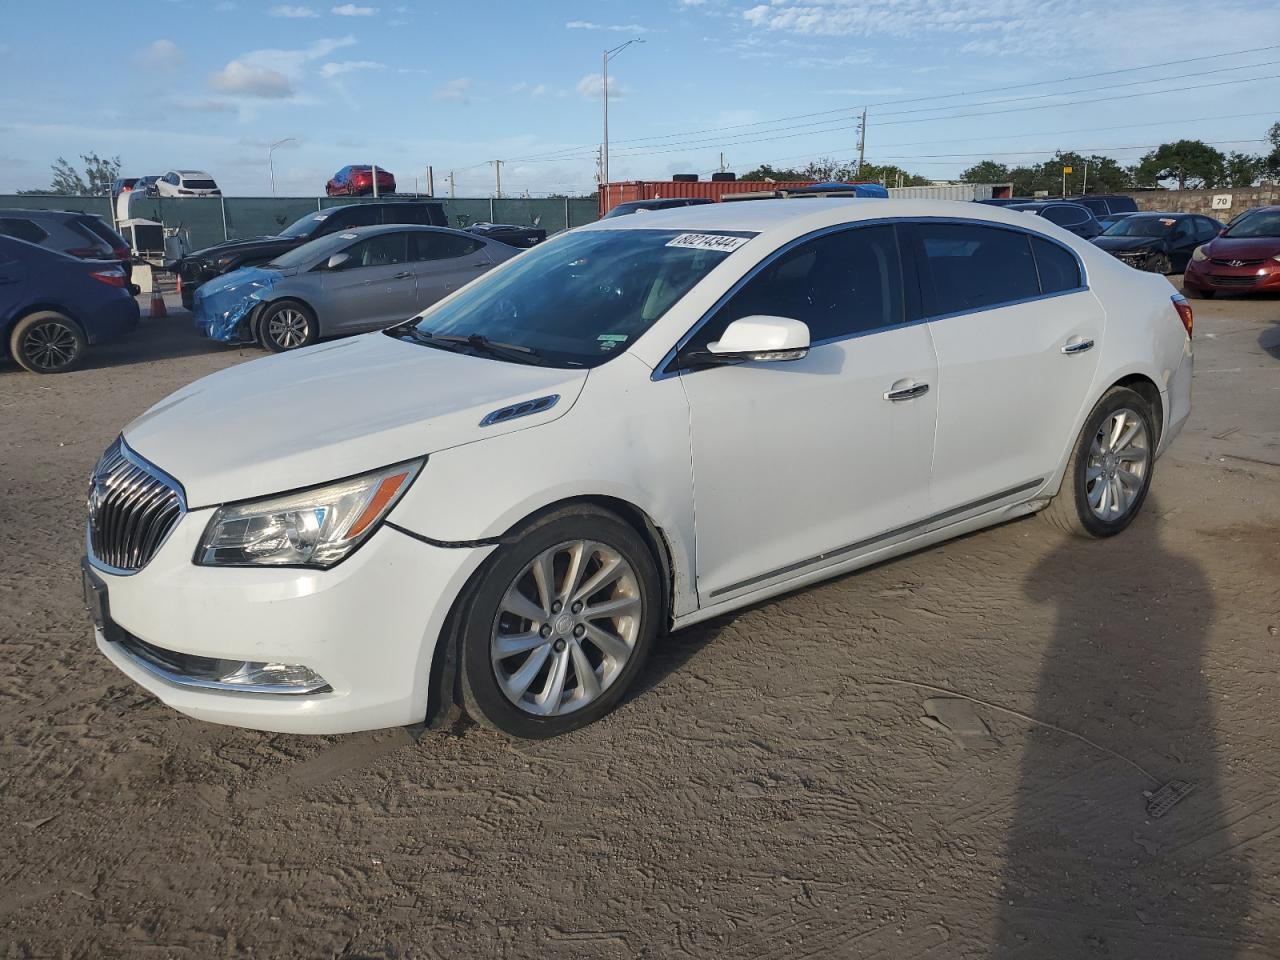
column 1077, row 345
column 907, row 393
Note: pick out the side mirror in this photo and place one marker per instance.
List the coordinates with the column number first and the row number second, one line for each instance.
column 337, row 261
column 761, row 338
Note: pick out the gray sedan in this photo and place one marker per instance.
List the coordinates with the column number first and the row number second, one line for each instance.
column 343, row 283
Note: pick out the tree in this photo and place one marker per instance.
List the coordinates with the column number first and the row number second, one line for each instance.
column 1271, row 165
column 99, row 172
column 1243, row 169
column 766, row 172
column 1185, row 162
column 986, row 171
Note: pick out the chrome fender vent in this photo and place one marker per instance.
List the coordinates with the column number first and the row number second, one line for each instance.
column 522, row 409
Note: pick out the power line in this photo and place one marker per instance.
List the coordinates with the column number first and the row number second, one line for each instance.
column 921, row 99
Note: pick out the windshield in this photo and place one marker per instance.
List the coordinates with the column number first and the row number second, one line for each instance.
column 1141, row 227
column 315, row 250
column 1256, row 225
column 580, row 298
column 304, row 226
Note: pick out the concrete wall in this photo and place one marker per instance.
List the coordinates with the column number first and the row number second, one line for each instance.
column 1201, row 201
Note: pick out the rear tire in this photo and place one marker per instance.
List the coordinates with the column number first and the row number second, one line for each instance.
column 558, row 625
column 47, row 342
column 287, row 325
column 1110, row 469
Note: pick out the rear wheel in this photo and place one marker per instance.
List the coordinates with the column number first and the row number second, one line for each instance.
column 287, row 325
column 47, row 342
column 559, row 625
column 1110, row 468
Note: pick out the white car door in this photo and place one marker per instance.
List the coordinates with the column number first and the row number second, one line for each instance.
column 803, row 463
column 1017, row 335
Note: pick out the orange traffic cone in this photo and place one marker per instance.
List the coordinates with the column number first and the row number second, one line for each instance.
column 157, row 303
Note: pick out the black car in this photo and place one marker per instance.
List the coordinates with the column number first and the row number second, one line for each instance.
column 201, row 266
column 509, row 233
column 1110, row 219
column 1070, row 216
column 1158, row 242
column 1102, row 204
column 637, row 206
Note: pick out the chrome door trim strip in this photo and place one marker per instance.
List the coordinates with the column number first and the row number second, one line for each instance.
column 919, row 525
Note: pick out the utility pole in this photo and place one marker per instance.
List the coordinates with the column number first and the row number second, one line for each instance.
column 722, row 161
column 604, row 77
column 374, row 168
column 271, row 166
column 497, row 172
column 450, row 184
column 1084, row 186
column 431, row 181
column 862, row 141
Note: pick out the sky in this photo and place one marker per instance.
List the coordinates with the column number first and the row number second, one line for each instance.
column 210, row 84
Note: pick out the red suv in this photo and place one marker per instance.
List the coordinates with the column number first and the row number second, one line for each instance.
column 356, row 180
column 1244, row 257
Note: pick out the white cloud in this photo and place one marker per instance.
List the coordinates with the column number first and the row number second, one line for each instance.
column 332, row 69
column 245, row 80
column 614, row 27
column 591, row 87
column 351, row 10
column 455, row 91
column 161, row 55
column 292, row 12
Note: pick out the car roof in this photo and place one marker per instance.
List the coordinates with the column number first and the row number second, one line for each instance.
column 193, row 173
column 30, row 214
column 760, row 216
column 377, row 228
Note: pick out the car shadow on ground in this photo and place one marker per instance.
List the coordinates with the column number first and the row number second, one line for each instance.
column 1269, row 340
column 1088, row 870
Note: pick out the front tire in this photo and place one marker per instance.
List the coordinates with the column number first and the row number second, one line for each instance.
column 1110, row 469
column 287, row 325
column 47, row 342
column 559, row 625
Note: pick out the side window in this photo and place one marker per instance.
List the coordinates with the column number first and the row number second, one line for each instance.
column 839, row 284
column 1056, row 265
column 971, row 266
column 1208, row 229
column 429, row 245
column 361, row 215
column 1066, row 216
column 1097, row 207
column 383, row 250
column 23, row 230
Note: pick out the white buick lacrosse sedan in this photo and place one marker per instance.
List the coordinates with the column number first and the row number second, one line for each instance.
column 497, row 505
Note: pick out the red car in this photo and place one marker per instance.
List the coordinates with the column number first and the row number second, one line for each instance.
column 1245, row 257
column 356, row 179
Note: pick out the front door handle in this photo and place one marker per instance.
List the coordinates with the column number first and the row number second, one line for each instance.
column 401, row 276
column 897, row 394
column 1077, row 345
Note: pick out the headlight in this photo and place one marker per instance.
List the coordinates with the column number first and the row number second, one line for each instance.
column 311, row 528
column 1198, row 255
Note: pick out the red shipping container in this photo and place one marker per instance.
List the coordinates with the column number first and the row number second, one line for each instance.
column 612, row 194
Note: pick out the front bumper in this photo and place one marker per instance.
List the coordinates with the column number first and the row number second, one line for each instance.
column 1206, row 275
column 368, row 626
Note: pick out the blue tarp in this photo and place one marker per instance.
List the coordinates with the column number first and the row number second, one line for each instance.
column 224, row 301
column 859, row 189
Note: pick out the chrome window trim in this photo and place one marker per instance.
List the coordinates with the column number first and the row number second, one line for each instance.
column 661, row 371
column 142, row 464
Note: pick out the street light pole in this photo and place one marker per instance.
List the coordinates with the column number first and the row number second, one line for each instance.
column 604, row 77
column 271, row 166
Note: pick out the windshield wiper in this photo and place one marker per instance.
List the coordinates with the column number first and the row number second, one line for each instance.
column 495, row 348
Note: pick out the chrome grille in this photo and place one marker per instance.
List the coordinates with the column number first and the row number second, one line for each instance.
column 132, row 508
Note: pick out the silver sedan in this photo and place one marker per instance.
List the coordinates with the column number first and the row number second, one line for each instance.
column 343, row 283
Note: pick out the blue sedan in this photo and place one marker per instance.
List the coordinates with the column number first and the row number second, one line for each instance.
column 53, row 306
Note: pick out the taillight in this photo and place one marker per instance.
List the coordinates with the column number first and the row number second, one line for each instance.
column 112, row 278
column 122, row 253
column 1184, row 311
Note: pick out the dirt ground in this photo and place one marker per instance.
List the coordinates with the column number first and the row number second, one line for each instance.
column 771, row 789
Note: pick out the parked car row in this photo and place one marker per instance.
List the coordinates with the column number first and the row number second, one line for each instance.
column 76, row 234
column 174, row 183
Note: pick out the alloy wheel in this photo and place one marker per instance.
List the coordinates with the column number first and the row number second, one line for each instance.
column 1119, row 459
column 288, row 328
column 566, row 628
column 50, row 345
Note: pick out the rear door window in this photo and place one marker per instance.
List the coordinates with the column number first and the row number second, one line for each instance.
column 429, row 245
column 23, row 229
column 384, row 250
column 974, row 267
column 1057, row 266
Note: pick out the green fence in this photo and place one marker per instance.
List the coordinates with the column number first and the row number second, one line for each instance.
column 209, row 220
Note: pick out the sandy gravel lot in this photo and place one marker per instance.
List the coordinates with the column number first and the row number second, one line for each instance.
column 770, row 791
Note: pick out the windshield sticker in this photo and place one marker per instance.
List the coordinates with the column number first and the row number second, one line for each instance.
column 350, row 236
column 611, row 341
column 708, row 241
column 321, row 216
column 1167, row 222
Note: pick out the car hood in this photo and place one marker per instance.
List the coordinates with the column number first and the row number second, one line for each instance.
column 327, row 412
column 250, row 245
column 1242, row 248
column 1123, row 244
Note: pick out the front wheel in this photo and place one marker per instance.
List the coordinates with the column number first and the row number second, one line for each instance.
column 287, row 325
column 1110, row 468
column 559, row 625
column 47, row 342
column 1161, row 264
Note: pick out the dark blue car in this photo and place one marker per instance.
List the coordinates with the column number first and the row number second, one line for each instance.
column 52, row 306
